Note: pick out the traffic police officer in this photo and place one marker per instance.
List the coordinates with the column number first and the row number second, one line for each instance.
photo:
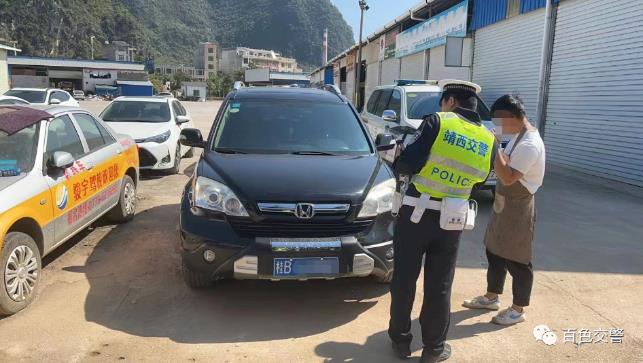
column 452, row 152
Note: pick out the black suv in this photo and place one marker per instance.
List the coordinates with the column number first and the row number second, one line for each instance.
column 290, row 186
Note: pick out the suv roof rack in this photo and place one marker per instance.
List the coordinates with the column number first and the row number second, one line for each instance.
column 331, row 88
column 411, row 82
column 238, row 85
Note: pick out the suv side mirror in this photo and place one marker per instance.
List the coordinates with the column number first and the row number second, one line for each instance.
column 182, row 119
column 389, row 115
column 61, row 160
column 54, row 101
column 384, row 142
column 192, row 138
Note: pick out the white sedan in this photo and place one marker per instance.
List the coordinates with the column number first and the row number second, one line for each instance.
column 155, row 123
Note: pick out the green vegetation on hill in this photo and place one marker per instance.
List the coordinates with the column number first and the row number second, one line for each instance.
column 170, row 30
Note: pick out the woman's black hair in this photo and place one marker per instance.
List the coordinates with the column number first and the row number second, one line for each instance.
column 511, row 104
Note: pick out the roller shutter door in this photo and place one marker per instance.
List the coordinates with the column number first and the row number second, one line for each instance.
column 372, row 79
column 594, row 112
column 438, row 71
column 507, row 59
column 413, row 66
column 390, row 71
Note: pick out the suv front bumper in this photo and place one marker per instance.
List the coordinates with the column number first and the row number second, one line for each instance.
column 241, row 257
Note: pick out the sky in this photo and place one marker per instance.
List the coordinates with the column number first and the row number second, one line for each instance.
column 380, row 13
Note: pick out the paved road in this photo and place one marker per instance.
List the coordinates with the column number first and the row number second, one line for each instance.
column 115, row 292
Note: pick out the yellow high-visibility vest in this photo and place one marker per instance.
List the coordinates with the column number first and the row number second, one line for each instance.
column 459, row 158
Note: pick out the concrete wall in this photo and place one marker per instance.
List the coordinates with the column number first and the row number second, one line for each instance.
column 29, row 81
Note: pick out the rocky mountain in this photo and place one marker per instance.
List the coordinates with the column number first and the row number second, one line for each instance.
column 170, row 30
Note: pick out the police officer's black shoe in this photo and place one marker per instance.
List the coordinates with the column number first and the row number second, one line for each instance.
column 401, row 350
column 429, row 356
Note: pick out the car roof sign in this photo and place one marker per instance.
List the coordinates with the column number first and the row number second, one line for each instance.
column 15, row 118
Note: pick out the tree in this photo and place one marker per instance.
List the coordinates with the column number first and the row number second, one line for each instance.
column 157, row 82
column 178, row 79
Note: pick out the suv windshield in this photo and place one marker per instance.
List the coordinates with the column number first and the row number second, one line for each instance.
column 420, row 104
column 29, row 96
column 136, row 111
column 18, row 151
column 289, row 126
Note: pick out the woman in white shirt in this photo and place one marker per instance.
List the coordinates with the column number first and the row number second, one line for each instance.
column 520, row 169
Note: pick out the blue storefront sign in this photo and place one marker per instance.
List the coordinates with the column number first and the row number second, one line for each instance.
column 434, row 31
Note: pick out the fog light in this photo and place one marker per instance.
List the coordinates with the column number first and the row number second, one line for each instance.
column 209, row 255
column 166, row 159
column 389, row 254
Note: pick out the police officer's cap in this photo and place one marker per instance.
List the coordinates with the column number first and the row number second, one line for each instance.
column 459, row 86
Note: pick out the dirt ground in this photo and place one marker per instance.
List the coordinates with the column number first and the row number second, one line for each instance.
column 114, row 293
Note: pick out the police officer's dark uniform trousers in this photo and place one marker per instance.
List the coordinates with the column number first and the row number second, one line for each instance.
column 413, row 240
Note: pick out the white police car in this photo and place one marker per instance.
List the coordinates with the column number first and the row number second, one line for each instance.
column 399, row 108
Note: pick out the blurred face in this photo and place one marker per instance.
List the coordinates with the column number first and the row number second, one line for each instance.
column 448, row 104
column 507, row 122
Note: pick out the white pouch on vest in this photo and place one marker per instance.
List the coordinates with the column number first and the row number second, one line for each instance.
column 453, row 215
column 397, row 203
column 471, row 215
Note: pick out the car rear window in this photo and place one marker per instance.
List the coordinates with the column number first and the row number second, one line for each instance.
column 420, row 104
column 287, row 126
column 136, row 111
column 29, row 96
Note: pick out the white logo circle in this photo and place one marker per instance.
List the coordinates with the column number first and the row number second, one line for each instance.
column 539, row 330
column 550, row 338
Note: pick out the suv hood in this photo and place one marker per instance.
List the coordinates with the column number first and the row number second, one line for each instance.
column 139, row 130
column 295, row 178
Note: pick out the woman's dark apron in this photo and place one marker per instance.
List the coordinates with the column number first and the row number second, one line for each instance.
column 511, row 229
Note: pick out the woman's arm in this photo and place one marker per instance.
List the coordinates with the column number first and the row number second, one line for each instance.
column 505, row 173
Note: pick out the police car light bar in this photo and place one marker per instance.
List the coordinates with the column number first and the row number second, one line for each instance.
column 410, row 82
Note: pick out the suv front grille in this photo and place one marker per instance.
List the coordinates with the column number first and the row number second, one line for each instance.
column 248, row 227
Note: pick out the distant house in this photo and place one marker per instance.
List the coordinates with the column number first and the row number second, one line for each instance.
column 195, row 89
column 119, row 51
column 207, row 57
column 4, row 67
column 242, row 58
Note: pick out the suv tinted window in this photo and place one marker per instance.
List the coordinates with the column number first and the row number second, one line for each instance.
column 382, row 102
column 92, row 131
column 287, row 126
column 372, row 101
column 395, row 103
column 62, row 136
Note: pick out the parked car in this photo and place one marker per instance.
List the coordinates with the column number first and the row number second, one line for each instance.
column 155, row 123
column 10, row 100
column 43, row 96
column 290, row 186
column 399, row 109
column 61, row 168
column 78, row 94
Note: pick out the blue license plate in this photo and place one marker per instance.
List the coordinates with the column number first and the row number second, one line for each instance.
column 305, row 267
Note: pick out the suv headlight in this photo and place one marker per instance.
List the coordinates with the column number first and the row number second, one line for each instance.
column 215, row 196
column 158, row 138
column 379, row 200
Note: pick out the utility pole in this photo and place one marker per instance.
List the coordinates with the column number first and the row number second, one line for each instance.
column 358, row 77
column 325, row 48
column 92, row 41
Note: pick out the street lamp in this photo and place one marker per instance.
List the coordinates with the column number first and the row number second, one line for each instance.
column 358, row 77
column 92, row 41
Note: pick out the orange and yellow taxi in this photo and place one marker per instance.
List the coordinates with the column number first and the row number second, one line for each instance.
column 61, row 168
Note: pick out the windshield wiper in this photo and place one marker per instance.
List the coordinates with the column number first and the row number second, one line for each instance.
column 226, row 150
column 313, row 153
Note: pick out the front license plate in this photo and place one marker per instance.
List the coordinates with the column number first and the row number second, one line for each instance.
column 310, row 266
column 309, row 244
